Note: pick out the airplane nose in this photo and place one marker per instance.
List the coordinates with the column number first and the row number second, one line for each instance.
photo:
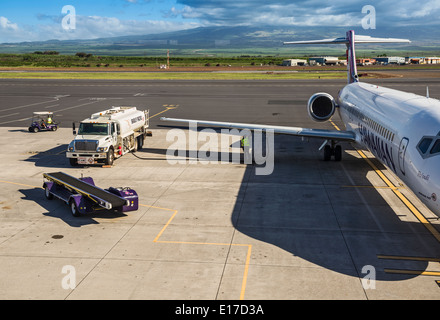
column 431, row 187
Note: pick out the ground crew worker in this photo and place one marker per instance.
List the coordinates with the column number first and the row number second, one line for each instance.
column 244, row 142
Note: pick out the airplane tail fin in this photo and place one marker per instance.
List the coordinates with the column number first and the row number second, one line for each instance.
column 349, row 40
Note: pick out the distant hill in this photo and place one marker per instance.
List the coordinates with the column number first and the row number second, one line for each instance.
column 232, row 40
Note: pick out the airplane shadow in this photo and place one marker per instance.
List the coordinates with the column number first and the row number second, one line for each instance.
column 329, row 214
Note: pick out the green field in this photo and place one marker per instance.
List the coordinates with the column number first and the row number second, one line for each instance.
column 93, row 61
column 51, row 65
column 85, row 60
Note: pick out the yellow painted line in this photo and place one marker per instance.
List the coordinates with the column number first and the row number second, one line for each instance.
column 167, row 109
column 334, row 125
column 20, row 184
column 248, row 256
column 374, row 187
column 246, row 271
column 408, row 258
column 407, row 203
column 415, row 272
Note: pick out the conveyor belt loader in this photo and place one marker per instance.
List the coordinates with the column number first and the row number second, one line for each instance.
column 83, row 196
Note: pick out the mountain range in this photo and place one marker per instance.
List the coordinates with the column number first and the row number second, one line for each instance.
column 227, row 39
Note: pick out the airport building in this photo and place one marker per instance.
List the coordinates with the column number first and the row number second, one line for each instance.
column 323, row 61
column 422, row 60
column 390, row 60
column 294, row 62
column 365, row 62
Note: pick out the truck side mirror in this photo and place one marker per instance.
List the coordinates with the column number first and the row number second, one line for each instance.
column 73, row 128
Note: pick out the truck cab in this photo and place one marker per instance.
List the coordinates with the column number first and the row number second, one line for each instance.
column 107, row 135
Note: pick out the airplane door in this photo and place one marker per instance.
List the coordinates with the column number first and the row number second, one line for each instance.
column 402, row 151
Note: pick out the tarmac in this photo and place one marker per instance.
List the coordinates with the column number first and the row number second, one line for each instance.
column 207, row 230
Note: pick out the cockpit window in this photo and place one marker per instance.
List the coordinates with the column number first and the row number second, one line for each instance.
column 436, row 147
column 424, row 145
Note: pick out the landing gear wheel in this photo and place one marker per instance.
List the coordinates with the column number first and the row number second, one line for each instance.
column 327, row 153
column 338, row 153
column 330, row 151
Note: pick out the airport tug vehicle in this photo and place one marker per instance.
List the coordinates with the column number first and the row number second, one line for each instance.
column 83, row 196
column 108, row 135
column 42, row 121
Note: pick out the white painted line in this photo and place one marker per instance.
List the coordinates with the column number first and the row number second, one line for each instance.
column 27, row 105
column 80, row 105
column 9, row 115
column 55, row 105
column 24, row 119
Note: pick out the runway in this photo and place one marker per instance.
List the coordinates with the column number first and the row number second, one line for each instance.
column 310, row 230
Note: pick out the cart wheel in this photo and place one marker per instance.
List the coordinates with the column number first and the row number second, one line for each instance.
column 54, row 128
column 30, row 129
column 35, row 129
column 73, row 208
column 47, row 193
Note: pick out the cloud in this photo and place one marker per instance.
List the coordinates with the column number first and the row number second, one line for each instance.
column 307, row 12
column 9, row 31
column 86, row 27
column 6, row 25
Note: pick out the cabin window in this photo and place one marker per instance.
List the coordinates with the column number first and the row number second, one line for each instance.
column 436, row 147
column 424, row 145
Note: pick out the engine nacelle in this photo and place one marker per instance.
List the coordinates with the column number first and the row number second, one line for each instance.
column 321, row 106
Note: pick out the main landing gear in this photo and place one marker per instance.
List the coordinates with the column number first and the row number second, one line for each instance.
column 332, row 150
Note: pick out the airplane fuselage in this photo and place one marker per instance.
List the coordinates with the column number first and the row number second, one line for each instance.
column 401, row 130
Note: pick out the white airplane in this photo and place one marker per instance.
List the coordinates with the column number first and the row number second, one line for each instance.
column 402, row 130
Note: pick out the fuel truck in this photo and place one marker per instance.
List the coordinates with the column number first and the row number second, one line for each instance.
column 108, row 135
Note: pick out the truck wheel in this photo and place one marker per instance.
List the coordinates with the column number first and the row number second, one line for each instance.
column 73, row 162
column 47, row 193
column 140, row 142
column 136, row 145
column 73, row 208
column 110, row 157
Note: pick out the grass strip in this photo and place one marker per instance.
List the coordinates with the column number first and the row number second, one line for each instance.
column 172, row 75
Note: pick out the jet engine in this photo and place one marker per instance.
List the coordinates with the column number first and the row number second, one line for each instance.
column 321, row 106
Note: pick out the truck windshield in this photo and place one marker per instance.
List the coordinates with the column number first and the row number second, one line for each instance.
column 93, row 128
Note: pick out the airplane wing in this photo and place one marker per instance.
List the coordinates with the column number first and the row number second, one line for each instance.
column 295, row 131
column 357, row 39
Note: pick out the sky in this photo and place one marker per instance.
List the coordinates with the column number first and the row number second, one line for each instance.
column 39, row 20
